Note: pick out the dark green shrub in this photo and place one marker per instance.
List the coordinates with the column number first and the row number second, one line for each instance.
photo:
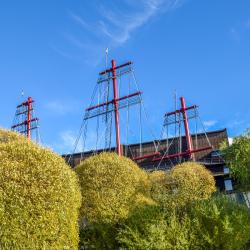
column 39, row 197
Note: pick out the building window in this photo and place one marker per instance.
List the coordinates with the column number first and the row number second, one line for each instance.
column 228, row 185
column 226, row 170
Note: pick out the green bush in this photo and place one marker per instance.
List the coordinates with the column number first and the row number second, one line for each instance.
column 39, row 197
column 216, row 223
column 237, row 157
column 221, row 223
column 153, row 228
column 110, row 186
column 192, row 182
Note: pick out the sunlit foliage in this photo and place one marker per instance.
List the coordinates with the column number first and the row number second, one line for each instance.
column 152, row 228
column 110, row 186
column 237, row 157
column 216, row 223
column 221, row 224
column 9, row 136
column 185, row 183
column 39, row 197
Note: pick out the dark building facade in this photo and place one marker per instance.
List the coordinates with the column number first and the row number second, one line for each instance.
column 211, row 158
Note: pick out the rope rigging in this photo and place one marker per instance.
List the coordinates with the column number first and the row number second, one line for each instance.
column 110, row 99
column 106, row 106
column 179, row 117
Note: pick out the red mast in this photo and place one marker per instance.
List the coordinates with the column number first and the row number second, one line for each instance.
column 116, row 103
column 187, row 132
column 24, row 122
column 170, row 119
column 117, row 127
column 29, row 104
column 97, row 110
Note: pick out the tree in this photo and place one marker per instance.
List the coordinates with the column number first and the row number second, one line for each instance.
column 237, row 157
column 39, row 197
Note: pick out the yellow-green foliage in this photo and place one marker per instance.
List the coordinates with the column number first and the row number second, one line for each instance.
column 185, row 183
column 9, row 136
column 237, row 157
column 39, row 197
column 110, row 187
column 192, row 181
column 157, row 177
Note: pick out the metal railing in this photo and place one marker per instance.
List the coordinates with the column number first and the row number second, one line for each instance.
column 211, row 161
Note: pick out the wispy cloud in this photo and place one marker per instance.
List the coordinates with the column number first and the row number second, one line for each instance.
column 209, row 123
column 239, row 30
column 80, row 21
column 66, row 142
column 57, row 107
column 119, row 25
column 235, row 34
column 238, row 123
column 113, row 24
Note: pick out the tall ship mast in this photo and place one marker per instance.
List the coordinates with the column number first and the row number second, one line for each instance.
column 25, row 122
column 117, row 91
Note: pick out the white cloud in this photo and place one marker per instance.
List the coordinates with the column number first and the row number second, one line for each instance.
column 235, row 34
column 209, row 123
column 239, row 30
column 66, row 143
column 80, row 21
column 60, row 107
column 230, row 140
column 119, row 25
column 68, row 139
column 114, row 24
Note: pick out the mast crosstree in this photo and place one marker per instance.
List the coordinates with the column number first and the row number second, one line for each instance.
column 181, row 117
column 107, row 102
column 24, row 120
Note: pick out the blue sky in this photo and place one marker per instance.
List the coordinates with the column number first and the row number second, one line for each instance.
column 53, row 50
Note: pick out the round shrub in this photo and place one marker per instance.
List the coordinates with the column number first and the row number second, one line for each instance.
column 185, row 183
column 110, row 185
column 39, row 197
column 9, row 136
column 191, row 181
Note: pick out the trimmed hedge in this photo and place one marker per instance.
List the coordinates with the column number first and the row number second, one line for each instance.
column 39, row 197
column 193, row 181
column 111, row 185
column 9, row 136
column 185, row 183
